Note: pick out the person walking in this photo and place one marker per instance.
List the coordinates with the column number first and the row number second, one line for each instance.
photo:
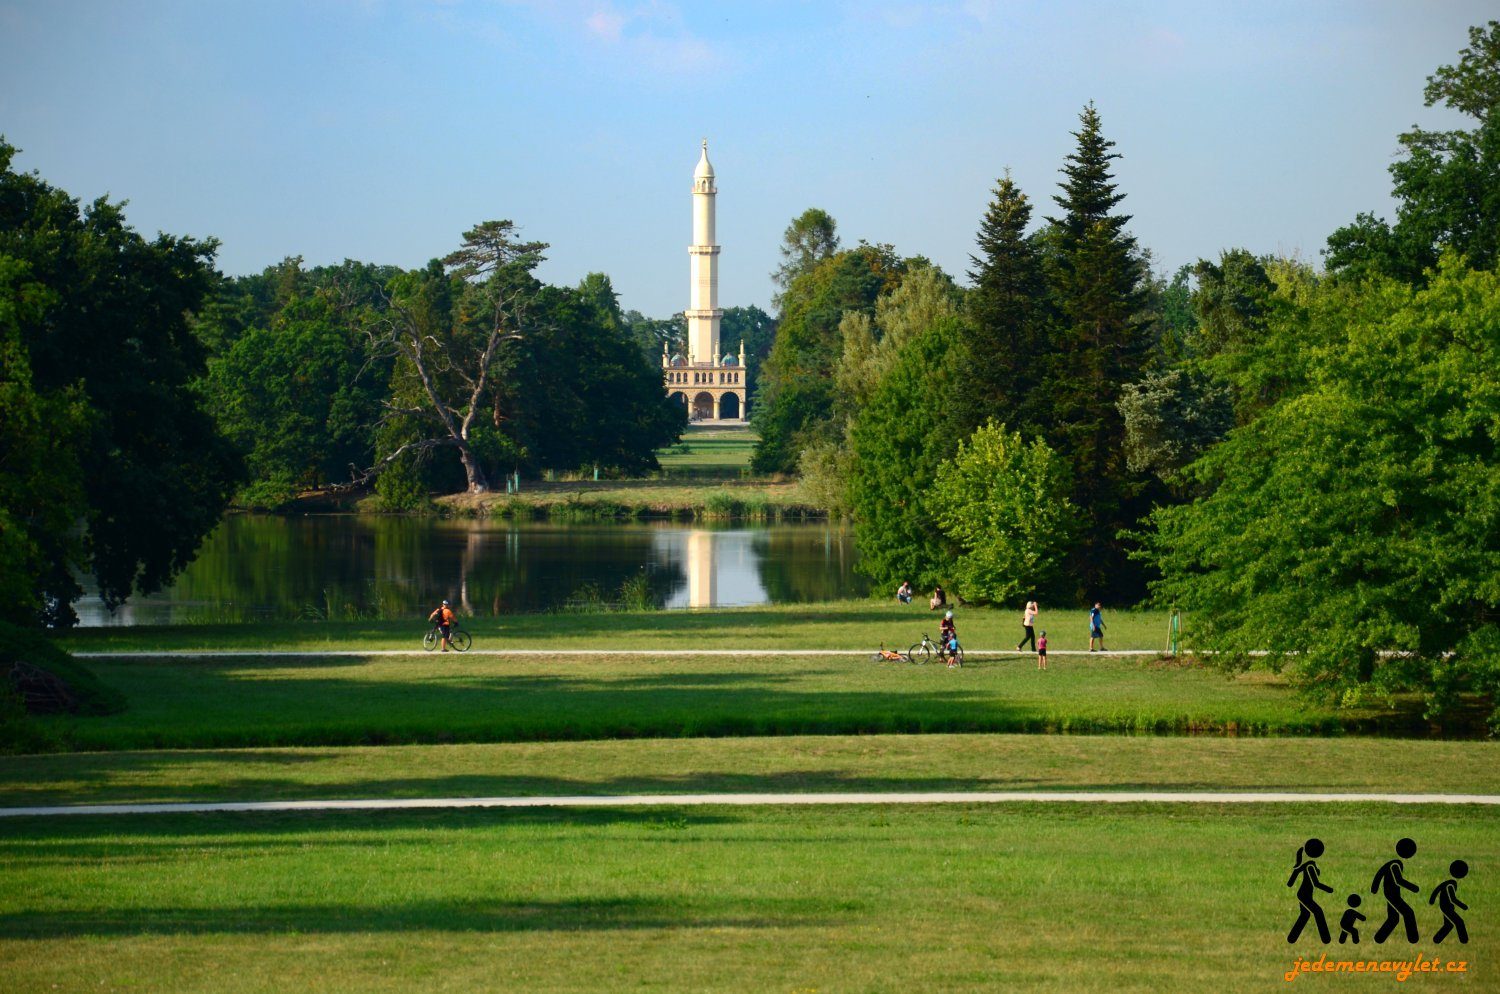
column 1307, row 871
column 1446, row 896
column 443, row 618
column 1096, row 628
column 1028, row 623
column 1389, row 882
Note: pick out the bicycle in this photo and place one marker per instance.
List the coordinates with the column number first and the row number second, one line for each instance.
column 923, row 651
column 888, row 656
column 457, row 638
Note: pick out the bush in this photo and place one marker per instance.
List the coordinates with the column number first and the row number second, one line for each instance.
column 23, row 645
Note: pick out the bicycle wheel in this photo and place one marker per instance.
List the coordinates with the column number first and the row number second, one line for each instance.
column 920, row 653
column 461, row 641
column 958, row 657
column 430, row 640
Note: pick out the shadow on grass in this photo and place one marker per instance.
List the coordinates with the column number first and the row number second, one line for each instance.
column 576, row 915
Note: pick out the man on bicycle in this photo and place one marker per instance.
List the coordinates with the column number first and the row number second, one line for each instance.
column 443, row 618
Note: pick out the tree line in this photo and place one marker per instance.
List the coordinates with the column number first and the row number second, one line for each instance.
column 1303, row 458
column 141, row 391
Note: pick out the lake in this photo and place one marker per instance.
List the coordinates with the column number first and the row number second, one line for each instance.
column 266, row 566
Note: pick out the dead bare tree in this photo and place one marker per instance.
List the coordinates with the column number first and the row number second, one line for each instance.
column 451, row 351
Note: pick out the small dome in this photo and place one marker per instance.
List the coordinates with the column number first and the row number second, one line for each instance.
column 730, row 360
column 705, row 169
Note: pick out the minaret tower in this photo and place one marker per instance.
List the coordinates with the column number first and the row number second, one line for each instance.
column 703, row 311
column 710, row 385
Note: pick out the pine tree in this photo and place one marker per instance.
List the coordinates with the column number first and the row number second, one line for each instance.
column 1097, row 345
column 1005, row 306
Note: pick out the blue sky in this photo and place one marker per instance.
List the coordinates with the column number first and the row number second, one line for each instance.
column 380, row 130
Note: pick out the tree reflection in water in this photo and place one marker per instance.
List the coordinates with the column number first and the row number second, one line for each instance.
column 348, row 566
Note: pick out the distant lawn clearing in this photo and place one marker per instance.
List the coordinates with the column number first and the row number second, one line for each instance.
column 788, row 763
column 251, row 701
column 709, row 451
column 854, row 624
column 1176, row 899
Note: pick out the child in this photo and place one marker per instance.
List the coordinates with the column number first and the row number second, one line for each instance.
column 1349, row 924
column 1446, row 896
column 1096, row 628
column 1041, row 652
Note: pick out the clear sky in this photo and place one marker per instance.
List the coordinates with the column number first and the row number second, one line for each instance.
column 380, row 130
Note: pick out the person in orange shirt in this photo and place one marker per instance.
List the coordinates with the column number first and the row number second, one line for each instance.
column 443, row 618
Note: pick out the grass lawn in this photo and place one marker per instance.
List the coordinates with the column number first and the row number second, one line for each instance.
column 900, row 899
column 250, row 701
column 757, row 764
column 854, row 624
column 709, row 451
column 589, row 499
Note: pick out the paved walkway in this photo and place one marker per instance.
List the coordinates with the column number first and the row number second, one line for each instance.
column 315, row 653
column 694, row 800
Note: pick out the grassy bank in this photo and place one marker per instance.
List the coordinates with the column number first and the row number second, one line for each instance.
column 758, row 500
column 1161, row 899
column 253, row 701
column 787, row 763
column 858, row 624
column 709, row 452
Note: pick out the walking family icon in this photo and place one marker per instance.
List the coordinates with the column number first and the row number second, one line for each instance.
column 1390, row 883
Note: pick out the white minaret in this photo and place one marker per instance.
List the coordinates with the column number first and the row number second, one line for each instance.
column 703, row 312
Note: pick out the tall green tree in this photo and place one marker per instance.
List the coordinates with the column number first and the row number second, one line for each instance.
column 1099, row 343
column 1008, row 307
column 808, row 240
column 41, row 479
column 115, row 327
column 795, row 399
column 1446, row 184
column 1352, row 530
column 446, row 339
column 911, row 424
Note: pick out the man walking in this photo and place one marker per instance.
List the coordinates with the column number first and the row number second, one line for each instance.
column 1096, row 629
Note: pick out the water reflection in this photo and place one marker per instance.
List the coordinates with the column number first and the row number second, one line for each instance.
column 262, row 566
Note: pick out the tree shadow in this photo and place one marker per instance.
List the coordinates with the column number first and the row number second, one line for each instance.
column 479, row 915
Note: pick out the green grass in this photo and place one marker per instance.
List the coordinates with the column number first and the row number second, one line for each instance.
column 608, row 499
column 1047, row 898
column 856, row 624
column 709, row 452
column 248, row 701
column 787, row 763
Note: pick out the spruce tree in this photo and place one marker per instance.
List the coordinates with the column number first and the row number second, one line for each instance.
column 1004, row 307
column 1097, row 345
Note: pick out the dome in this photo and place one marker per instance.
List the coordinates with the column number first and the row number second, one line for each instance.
column 730, row 360
column 705, row 169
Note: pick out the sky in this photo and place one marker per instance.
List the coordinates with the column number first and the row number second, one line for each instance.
column 380, row 131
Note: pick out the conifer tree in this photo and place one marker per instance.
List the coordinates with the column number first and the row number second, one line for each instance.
column 1005, row 306
column 1098, row 344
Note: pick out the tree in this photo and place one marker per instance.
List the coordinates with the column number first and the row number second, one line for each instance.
column 808, row 240
column 115, row 327
column 298, row 399
column 1099, row 344
column 1447, row 185
column 756, row 330
column 1007, row 307
column 1351, row 529
column 912, row 423
column 448, row 338
column 1171, row 417
column 795, row 393
column 1004, row 504
column 41, row 480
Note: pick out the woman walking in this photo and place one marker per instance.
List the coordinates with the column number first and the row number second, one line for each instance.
column 1028, row 622
column 1306, row 891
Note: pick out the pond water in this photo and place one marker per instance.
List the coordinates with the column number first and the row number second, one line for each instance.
column 348, row 566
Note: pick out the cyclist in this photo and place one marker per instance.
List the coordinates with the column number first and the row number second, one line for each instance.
column 443, row 618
